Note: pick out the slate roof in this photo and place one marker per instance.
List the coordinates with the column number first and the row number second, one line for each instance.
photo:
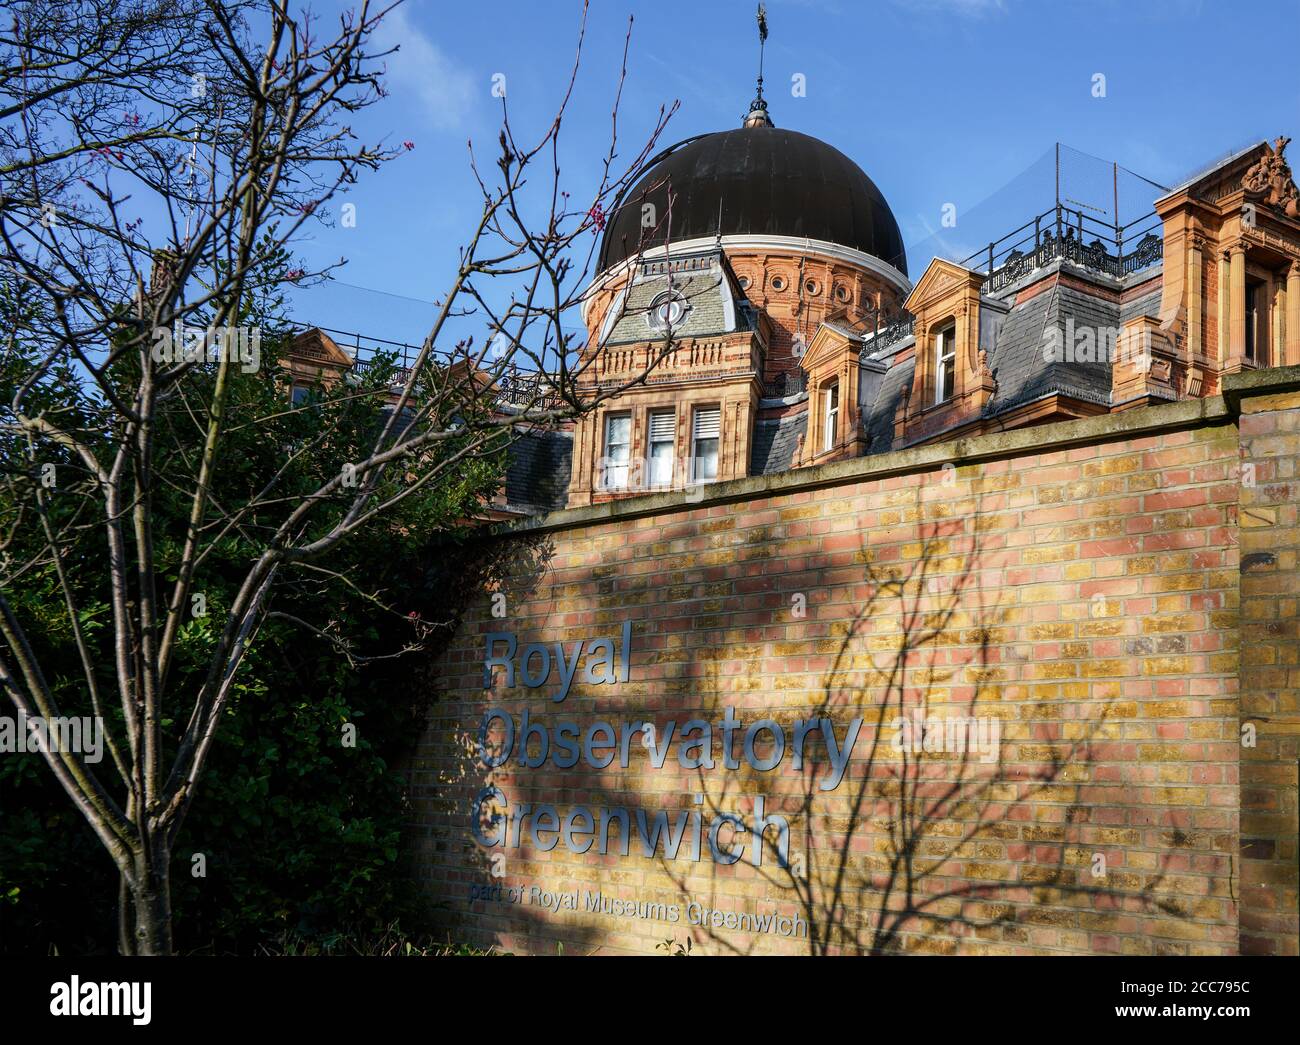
column 706, row 288
column 1016, row 355
column 1017, row 361
column 1147, row 305
column 879, row 416
column 537, row 477
column 774, row 443
column 1019, row 368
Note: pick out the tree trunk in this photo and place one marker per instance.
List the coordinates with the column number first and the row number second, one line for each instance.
column 125, row 933
column 152, row 903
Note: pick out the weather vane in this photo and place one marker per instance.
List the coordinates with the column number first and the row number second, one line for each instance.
column 757, row 115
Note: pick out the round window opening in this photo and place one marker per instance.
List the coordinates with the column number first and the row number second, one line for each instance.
column 811, row 286
column 778, row 283
column 842, row 293
column 667, row 310
column 744, row 282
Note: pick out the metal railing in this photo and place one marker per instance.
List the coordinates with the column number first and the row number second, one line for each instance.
column 791, row 383
column 514, row 385
column 889, row 334
column 364, row 348
column 1074, row 236
column 1060, row 233
column 517, row 387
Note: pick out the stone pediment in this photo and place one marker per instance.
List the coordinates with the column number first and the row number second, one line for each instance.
column 941, row 279
column 318, row 347
column 826, row 342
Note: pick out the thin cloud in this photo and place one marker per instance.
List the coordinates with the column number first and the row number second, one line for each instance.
column 423, row 76
column 964, row 8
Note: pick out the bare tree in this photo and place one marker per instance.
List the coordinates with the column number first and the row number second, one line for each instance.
column 157, row 160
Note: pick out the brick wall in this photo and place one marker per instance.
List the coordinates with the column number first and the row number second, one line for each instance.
column 1270, row 671
column 1068, row 592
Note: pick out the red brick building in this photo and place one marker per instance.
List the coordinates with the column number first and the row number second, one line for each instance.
column 955, row 616
column 768, row 270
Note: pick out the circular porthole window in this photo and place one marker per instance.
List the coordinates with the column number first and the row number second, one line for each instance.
column 744, row 282
column 810, row 287
column 778, row 283
column 667, row 310
column 842, row 293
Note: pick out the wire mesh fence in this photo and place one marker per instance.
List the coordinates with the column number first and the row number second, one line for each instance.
column 1067, row 204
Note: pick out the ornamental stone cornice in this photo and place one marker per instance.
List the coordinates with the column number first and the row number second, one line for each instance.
column 1263, row 238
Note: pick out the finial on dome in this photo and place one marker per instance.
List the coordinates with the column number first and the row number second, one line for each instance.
column 757, row 115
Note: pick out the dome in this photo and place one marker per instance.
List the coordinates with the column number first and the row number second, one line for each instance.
column 756, row 180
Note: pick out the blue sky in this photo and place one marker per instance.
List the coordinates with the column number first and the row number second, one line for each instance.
column 939, row 101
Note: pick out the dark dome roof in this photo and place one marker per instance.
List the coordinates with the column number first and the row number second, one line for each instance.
column 769, row 182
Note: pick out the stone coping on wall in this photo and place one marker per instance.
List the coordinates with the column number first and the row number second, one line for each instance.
column 1251, row 383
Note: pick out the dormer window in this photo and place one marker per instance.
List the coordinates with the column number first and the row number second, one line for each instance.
column 830, row 414
column 945, row 362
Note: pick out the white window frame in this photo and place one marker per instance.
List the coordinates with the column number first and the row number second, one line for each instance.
column 945, row 351
column 660, row 434
column 699, row 433
column 830, row 415
column 612, row 464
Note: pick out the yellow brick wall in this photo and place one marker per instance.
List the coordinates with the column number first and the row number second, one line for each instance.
column 1270, row 672
column 1098, row 600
